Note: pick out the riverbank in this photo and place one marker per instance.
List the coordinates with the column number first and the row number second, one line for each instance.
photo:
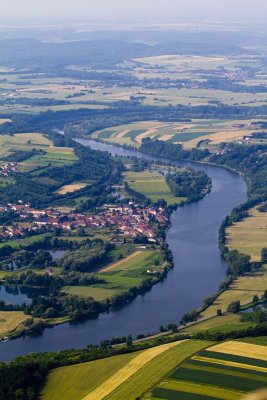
column 192, row 239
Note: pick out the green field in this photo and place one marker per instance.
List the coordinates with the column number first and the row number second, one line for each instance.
column 216, row 374
column 120, row 276
column 152, row 185
column 249, row 236
column 224, row 323
column 77, row 382
column 29, row 141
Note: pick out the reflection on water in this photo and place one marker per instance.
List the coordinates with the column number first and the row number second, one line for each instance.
column 20, row 295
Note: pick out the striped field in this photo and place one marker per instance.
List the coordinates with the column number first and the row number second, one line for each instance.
column 225, row 371
column 127, row 376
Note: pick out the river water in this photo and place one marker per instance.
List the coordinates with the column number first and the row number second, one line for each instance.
column 199, row 268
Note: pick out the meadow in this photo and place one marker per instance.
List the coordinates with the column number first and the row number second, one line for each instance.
column 122, row 377
column 121, row 275
column 153, row 185
column 249, row 236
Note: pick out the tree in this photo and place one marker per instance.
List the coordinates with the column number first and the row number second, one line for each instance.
column 264, row 296
column 129, row 341
column 255, row 299
column 264, row 255
column 234, row 307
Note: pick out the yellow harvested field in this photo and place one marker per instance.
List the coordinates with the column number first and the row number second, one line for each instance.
column 216, row 138
column 250, row 235
column 150, row 132
column 128, row 370
column 123, row 261
column 123, row 133
column 165, row 138
column 71, row 188
column 229, row 363
column 3, row 120
column 24, row 138
column 10, row 320
column 241, row 349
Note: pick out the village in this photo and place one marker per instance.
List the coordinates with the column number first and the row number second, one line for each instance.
column 131, row 219
column 7, row 168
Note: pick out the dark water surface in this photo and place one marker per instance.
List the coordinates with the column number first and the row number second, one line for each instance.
column 193, row 239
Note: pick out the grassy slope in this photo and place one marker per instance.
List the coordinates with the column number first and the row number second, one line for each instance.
column 75, row 382
column 156, row 370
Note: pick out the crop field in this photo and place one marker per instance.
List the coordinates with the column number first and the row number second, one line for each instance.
column 249, row 236
column 10, row 320
column 71, row 188
column 187, row 134
column 226, row 371
column 122, row 377
column 152, row 185
column 120, row 276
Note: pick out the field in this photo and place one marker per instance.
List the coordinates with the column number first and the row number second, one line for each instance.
column 10, row 320
column 224, row 323
column 152, row 185
column 249, row 236
column 243, row 289
column 188, row 134
column 226, row 371
column 120, row 276
column 71, row 188
column 27, row 142
column 122, row 377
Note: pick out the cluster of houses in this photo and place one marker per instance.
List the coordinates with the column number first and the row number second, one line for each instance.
column 7, row 168
column 131, row 219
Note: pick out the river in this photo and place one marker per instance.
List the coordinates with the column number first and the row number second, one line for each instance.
column 199, row 268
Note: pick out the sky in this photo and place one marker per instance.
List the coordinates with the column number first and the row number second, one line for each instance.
column 132, row 9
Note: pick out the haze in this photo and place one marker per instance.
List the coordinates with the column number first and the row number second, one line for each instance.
column 138, row 9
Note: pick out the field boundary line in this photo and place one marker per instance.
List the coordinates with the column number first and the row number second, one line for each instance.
column 118, row 263
column 229, row 363
column 129, row 370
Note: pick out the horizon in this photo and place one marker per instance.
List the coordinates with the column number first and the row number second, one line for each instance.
column 118, row 11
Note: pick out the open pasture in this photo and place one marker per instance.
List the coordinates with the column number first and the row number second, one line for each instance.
column 152, row 185
column 249, row 236
column 226, row 371
column 122, row 377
